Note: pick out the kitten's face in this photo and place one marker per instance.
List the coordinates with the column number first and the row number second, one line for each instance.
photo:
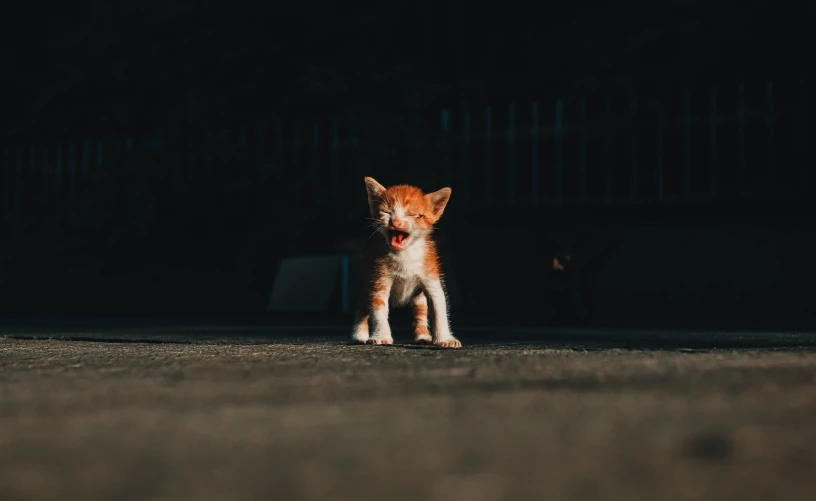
column 403, row 214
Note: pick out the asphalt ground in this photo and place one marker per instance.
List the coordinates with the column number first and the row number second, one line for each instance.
column 213, row 412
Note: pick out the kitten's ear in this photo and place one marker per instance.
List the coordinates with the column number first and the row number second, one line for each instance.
column 376, row 191
column 438, row 200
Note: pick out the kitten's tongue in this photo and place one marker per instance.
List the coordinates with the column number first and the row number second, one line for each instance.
column 397, row 238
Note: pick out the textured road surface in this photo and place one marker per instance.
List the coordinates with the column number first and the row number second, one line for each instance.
column 290, row 417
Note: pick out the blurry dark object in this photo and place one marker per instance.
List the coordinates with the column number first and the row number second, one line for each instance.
column 559, row 261
column 569, row 300
column 579, row 255
column 311, row 283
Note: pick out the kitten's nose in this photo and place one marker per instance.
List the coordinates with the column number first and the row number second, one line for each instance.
column 399, row 224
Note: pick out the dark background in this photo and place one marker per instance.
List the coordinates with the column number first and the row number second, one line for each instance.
column 162, row 158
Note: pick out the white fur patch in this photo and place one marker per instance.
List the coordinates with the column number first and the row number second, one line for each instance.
column 407, row 272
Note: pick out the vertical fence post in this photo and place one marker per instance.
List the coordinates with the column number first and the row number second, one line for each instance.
column 8, row 183
column 488, row 180
column 5, row 167
column 72, row 178
column 582, row 154
column 559, row 146
column 235, row 149
column 47, row 200
column 34, row 186
column 633, row 111
column 535, row 137
column 86, row 158
column 345, row 284
column 261, row 169
column 713, row 160
column 335, row 151
column 129, row 150
column 260, row 145
column 297, row 167
column 772, row 180
column 280, row 146
column 800, row 139
column 19, row 186
column 741, row 139
column 254, row 174
column 100, row 159
column 58, row 183
column 83, row 182
column 687, row 144
column 355, row 144
column 201, row 138
column 511, row 155
column 606, row 161
column 187, row 149
column 296, row 149
column 225, row 152
column 465, row 166
column 11, row 184
column 100, row 154
column 445, row 127
column 316, row 153
column 661, row 137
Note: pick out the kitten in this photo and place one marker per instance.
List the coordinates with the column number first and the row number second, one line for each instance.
column 402, row 267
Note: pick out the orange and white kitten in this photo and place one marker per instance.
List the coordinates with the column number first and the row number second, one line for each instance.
column 402, row 267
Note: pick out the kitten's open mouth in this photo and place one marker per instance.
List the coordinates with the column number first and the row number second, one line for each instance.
column 398, row 239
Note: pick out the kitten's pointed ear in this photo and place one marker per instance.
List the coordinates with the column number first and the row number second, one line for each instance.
column 438, row 200
column 376, row 191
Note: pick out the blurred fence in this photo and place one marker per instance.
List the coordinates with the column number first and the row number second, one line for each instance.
column 744, row 141
column 716, row 144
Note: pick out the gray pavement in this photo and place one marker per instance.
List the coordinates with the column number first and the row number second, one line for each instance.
column 263, row 413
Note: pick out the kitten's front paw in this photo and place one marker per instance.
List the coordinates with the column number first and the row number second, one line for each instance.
column 450, row 342
column 378, row 340
column 381, row 336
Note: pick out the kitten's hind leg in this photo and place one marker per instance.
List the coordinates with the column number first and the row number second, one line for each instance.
column 421, row 333
column 359, row 334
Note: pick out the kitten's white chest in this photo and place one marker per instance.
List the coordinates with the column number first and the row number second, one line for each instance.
column 406, row 270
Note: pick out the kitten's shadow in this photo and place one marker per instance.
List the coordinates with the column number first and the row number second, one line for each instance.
column 412, row 346
column 409, row 346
